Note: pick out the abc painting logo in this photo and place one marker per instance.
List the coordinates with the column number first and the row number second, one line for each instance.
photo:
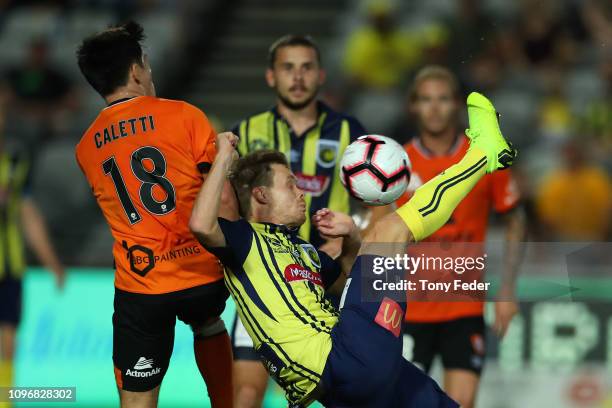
column 140, row 255
column 143, row 259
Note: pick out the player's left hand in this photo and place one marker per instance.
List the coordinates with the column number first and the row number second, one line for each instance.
column 332, row 224
column 504, row 312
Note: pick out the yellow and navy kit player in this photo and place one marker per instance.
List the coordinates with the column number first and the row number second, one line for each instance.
column 311, row 350
column 14, row 186
column 314, row 156
column 278, row 283
column 277, row 280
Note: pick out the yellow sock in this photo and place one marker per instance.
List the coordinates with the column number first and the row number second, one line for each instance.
column 6, row 380
column 433, row 203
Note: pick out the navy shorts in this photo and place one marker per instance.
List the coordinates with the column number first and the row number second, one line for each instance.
column 365, row 367
column 10, row 301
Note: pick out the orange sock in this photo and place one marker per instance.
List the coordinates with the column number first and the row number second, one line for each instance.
column 214, row 358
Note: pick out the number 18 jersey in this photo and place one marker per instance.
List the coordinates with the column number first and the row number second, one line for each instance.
column 143, row 158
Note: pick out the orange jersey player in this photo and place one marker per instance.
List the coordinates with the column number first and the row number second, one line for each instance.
column 144, row 158
column 439, row 323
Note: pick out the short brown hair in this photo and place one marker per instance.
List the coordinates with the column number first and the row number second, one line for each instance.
column 292, row 40
column 253, row 170
column 434, row 72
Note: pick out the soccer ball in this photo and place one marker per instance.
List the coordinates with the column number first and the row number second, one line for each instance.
column 375, row 169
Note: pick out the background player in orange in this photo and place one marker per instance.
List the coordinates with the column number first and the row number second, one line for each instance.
column 455, row 330
column 144, row 158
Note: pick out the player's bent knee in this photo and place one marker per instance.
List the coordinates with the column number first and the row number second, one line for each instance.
column 388, row 236
column 390, row 228
column 250, row 383
column 249, row 396
column 210, row 329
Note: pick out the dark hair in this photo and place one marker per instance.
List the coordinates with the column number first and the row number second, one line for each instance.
column 292, row 40
column 105, row 58
column 253, row 170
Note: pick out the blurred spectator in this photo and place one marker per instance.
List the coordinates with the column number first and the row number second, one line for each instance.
column 378, row 60
column 538, row 29
column 380, row 54
column 484, row 72
column 596, row 120
column 509, row 50
column 38, row 91
column 555, row 117
column 575, row 202
column 597, row 15
column 470, row 30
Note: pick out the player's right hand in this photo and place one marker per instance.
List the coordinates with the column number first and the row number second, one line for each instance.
column 333, row 224
column 226, row 142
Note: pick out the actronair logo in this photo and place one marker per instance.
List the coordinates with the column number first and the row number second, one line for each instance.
column 143, row 364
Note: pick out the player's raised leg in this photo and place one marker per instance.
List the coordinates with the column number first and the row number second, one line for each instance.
column 433, row 203
column 429, row 208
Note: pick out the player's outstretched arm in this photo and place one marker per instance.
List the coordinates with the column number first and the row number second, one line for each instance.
column 203, row 222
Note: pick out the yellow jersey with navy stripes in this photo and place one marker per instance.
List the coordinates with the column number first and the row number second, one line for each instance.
column 278, row 282
column 314, row 156
column 14, row 184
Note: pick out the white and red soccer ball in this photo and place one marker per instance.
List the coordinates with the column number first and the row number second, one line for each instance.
column 375, row 169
